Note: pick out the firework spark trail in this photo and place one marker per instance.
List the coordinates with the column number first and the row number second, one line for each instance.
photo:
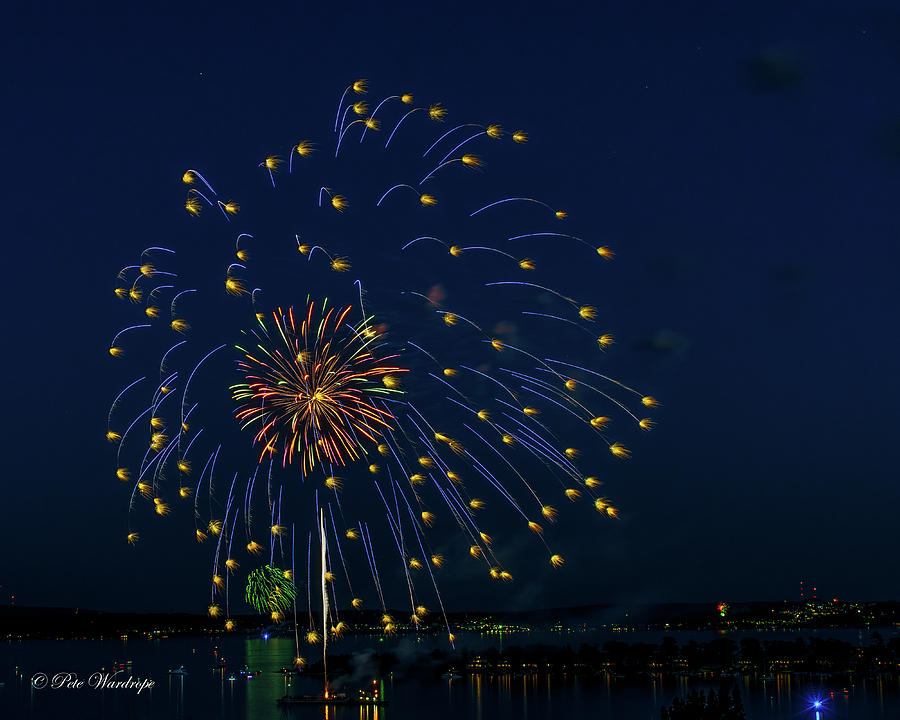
column 324, row 543
column 430, row 573
column 592, row 372
column 210, row 465
column 337, row 542
column 297, row 659
column 187, row 450
column 162, row 362
column 221, row 536
column 464, row 142
column 119, row 397
column 550, row 388
column 401, row 551
column 370, row 554
column 126, row 433
column 542, row 447
column 309, row 579
column 247, row 498
column 397, row 126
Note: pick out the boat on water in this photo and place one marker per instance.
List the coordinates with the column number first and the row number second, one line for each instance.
column 178, row 671
column 334, row 699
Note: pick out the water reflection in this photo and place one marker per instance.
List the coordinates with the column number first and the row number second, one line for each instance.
column 176, row 695
column 516, row 692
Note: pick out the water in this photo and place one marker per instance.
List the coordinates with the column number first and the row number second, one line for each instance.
column 207, row 694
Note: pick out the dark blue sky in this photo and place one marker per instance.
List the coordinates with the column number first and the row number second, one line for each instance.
column 745, row 165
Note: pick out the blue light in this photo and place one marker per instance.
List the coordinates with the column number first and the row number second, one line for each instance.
column 265, row 636
column 816, row 703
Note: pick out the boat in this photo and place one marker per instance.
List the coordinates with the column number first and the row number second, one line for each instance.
column 178, row 671
column 335, row 699
column 450, row 676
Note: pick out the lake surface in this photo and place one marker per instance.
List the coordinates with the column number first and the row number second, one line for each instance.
column 208, row 694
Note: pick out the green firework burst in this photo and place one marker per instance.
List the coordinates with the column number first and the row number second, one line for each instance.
column 270, row 589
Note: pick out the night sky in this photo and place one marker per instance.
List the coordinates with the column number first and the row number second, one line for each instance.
column 744, row 163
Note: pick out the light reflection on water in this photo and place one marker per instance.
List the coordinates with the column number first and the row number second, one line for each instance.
column 207, row 693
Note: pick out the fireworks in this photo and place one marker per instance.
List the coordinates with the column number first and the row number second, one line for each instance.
column 269, row 590
column 312, row 391
column 412, row 357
